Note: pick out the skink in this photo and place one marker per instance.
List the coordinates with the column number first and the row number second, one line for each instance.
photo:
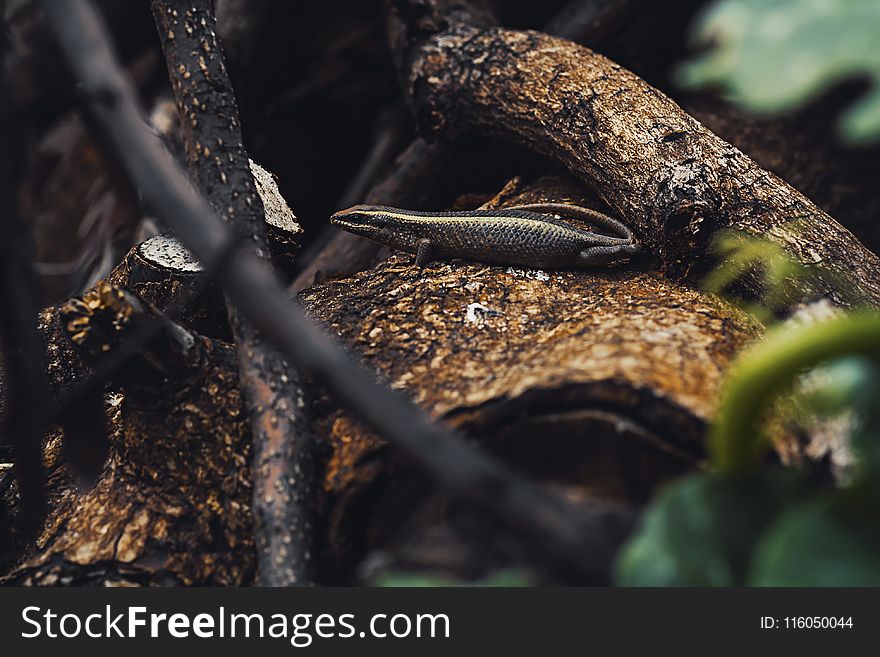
column 532, row 235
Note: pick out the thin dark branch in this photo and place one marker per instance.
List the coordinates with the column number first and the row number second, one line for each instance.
column 283, row 462
column 22, row 356
column 548, row 524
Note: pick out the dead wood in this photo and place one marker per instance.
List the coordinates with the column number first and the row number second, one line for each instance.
column 677, row 183
column 172, row 504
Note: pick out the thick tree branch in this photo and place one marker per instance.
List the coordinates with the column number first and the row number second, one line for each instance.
column 677, row 183
column 546, row 523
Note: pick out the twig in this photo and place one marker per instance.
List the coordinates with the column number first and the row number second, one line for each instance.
column 23, row 358
column 548, row 524
column 283, row 462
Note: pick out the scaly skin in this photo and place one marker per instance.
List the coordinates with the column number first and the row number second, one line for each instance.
column 528, row 235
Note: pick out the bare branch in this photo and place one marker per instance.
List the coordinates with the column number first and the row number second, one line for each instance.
column 283, row 469
column 22, row 354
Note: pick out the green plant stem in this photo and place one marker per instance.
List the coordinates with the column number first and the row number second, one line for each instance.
column 761, row 373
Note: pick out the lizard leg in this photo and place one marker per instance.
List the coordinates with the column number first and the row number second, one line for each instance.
column 423, row 254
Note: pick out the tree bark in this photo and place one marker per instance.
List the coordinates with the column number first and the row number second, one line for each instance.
column 172, row 505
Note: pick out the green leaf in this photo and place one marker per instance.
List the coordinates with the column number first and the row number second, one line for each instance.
column 827, row 542
column 772, row 56
column 701, row 531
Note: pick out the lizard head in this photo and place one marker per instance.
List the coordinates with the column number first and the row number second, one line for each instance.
column 388, row 226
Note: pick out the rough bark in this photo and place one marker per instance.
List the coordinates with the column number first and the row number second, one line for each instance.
column 804, row 150
column 172, row 505
column 219, row 166
column 674, row 181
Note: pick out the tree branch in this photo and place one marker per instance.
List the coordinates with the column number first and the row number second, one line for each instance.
column 283, row 469
column 22, row 350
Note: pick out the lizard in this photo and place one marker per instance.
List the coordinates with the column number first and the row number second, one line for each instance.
column 531, row 235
